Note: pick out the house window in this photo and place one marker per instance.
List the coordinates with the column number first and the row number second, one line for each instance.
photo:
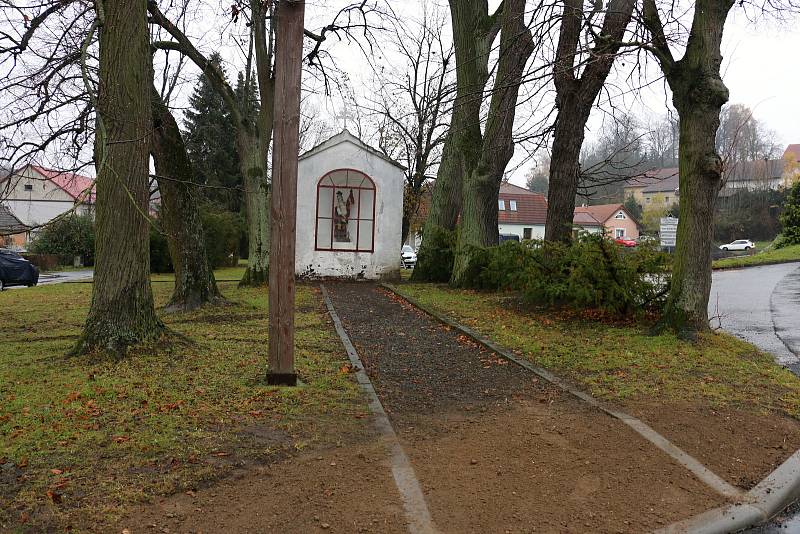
column 619, row 233
column 28, row 187
column 501, row 205
column 620, row 215
column 512, row 205
column 345, row 212
column 666, row 199
column 527, row 233
column 647, row 200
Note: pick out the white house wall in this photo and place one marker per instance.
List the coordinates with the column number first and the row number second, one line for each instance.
column 44, row 202
column 384, row 262
column 537, row 230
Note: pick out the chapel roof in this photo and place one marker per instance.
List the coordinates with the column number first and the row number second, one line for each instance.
column 346, row 137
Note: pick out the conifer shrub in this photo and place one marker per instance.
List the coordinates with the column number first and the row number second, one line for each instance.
column 592, row 272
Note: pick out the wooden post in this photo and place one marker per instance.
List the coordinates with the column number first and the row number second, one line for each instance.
column 288, row 66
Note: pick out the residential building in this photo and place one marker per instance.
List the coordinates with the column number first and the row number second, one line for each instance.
column 521, row 212
column 611, row 219
column 13, row 234
column 36, row 195
column 656, row 189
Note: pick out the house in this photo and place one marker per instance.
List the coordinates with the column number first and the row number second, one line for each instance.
column 656, row 189
column 521, row 212
column 760, row 175
column 37, row 195
column 611, row 219
column 13, row 234
column 349, row 211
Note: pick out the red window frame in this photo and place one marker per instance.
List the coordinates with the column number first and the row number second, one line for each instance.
column 369, row 187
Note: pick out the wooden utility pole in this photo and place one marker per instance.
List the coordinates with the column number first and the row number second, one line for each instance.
column 286, row 148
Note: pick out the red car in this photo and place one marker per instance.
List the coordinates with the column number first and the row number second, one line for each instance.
column 625, row 242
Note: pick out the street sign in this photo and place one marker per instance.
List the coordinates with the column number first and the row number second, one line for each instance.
column 668, row 231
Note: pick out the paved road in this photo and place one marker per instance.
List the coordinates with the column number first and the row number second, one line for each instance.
column 762, row 306
column 61, row 277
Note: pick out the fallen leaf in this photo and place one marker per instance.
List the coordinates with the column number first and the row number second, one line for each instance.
column 54, row 496
column 56, row 471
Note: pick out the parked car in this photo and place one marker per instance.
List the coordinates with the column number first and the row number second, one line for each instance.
column 508, row 237
column 408, row 257
column 625, row 242
column 739, row 244
column 16, row 270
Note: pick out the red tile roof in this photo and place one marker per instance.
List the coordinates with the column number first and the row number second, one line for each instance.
column 596, row 215
column 531, row 207
column 75, row 185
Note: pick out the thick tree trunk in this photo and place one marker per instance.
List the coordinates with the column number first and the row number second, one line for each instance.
column 574, row 99
column 194, row 279
column 122, row 312
column 472, row 35
column 568, row 138
column 481, row 185
column 257, row 201
column 700, row 169
column 698, row 94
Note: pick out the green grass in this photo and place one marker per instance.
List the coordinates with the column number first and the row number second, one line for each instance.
column 98, row 434
column 765, row 257
column 620, row 361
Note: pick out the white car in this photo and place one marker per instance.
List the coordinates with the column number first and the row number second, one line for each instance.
column 408, row 257
column 739, row 244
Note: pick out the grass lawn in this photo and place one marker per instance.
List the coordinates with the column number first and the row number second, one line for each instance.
column 619, row 361
column 766, row 257
column 81, row 438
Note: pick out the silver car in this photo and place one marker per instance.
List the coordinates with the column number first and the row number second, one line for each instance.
column 739, row 244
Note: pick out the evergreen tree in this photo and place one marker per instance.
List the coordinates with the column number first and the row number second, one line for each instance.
column 211, row 144
column 790, row 218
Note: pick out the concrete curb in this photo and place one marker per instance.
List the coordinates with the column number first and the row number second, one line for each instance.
column 779, row 489
column 414, row 505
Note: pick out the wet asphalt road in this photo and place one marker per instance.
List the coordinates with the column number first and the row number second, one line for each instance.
column 84, row 275
column 761, row 305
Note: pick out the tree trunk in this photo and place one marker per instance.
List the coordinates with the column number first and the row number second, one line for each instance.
column 568, row 138
column 194, row 279
column 257, row 201
column 481, row 185
column 698, row 94
column 122, row 312
column 471, row 31
column 574, row 99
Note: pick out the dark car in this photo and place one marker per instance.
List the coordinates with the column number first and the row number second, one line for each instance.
column 508, row 237
column 16, row 270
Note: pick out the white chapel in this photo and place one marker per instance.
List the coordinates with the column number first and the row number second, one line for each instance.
column 349, row 211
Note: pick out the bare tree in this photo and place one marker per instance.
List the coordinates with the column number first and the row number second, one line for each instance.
column 180, row 214
column 412, row 105
column 579, row 75
column 122, row 312
column 698, row 94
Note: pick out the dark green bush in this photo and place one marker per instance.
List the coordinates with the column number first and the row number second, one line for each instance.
column 790, row 218
column 160, row 260
column 435, row 260
column 67, row 237
column 223, row 231
column 592, row 272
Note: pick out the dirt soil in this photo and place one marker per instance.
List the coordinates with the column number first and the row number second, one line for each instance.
column 494, row 448
column 741, row 446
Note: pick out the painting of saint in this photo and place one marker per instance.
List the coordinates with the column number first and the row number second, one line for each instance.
column 341, row 216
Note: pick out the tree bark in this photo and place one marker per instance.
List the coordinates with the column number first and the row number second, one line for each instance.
column 257, row 200
column 194, row 278
column 574, row 99
column 473, row 33
column 122, row 312
column 698, row 94
column 481, row 185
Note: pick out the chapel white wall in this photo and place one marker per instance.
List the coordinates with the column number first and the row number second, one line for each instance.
column 384, row 262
